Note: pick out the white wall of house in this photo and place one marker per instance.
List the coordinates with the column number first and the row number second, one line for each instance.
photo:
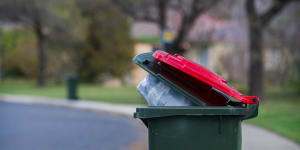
column 210, row 57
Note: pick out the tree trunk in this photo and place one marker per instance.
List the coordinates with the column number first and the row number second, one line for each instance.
column 257, row 23
column 256, row 69
column 41, row 55
column 1, row 56
column 186, row 25
column 162, row 8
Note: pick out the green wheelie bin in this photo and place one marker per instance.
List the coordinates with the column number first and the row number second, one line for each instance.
column 213, row 123
column 72, row 85
column 192, row 128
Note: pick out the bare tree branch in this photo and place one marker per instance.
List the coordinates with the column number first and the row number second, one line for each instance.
column 156, row 11
column 204, row 5
column 178, row 5
column 257, row 24
column 197, row 8
column 251, row 11
column 275, row 9
column 162, row 12
column 138, row 10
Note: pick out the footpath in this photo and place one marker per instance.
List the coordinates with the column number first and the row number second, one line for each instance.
column 254, row 138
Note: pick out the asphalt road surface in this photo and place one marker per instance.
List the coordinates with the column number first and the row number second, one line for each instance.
column 40, row 127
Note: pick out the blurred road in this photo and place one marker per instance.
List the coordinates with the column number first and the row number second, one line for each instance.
column 27, row 125
column 41, row 127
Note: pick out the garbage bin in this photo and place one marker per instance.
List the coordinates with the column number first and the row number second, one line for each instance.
column 212, row 125
column 191, row 128
column 72, row 83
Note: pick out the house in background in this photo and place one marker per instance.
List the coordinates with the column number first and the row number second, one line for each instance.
column 218, row 44
column 138, row 74
column 208, row 44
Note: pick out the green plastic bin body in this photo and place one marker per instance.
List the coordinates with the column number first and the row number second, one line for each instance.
column 193, row 128
column 72, row 83
column 199, row 127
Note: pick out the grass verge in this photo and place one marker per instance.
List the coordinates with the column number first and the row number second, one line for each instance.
column 280, row 112
column 127, row 95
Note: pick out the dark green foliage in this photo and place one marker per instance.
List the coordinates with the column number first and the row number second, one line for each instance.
column 90, row 37
column 108, row 49
column 40, row 17
column 20, row 59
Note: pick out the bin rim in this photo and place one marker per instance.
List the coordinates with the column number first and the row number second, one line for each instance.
column 157, row 112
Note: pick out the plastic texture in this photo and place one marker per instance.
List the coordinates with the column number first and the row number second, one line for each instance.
column 72, row 84
column 198, row 93
column 159, row 112
column 157, row 93
column 173, row 128
column 190, row 128
column 200, row 73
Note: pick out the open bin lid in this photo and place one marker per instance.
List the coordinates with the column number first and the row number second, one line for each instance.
column 200, row 94
column 195, row 71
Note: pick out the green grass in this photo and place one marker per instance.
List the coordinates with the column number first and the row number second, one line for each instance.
column 115, row 95
column 127, row 95
column 279, row 111
column 150, row 40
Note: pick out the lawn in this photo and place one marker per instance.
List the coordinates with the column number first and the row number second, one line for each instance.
column 279, row 111
column 127, row 95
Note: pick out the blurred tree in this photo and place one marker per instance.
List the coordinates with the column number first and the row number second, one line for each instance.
column 37, row 14
column 1, row 55
column 108, row 49
column 156, row 11
column 258, row 21
column 283, row 30
column 20, row 59
column 66, row 40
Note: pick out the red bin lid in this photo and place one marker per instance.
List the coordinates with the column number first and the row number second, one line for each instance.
column 202, row 74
